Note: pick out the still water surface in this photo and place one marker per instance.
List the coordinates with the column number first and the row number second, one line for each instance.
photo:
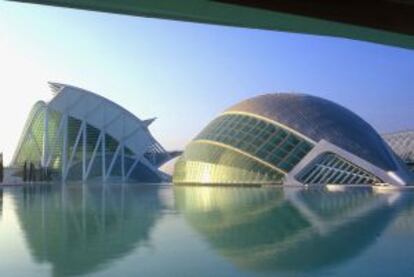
column 151, row 230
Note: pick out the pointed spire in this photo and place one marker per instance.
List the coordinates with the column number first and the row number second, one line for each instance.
column 148, row 122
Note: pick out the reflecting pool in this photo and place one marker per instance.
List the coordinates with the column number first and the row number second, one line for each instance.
column 164, row 230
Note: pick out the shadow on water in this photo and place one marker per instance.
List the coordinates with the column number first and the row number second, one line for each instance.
column 281, row 229
column 82, row 229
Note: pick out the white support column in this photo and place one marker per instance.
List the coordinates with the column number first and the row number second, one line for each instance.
column 122, row 143
column 123, row 161
column 58, row 136
column 103, row 159
column 72, row 154
column 113, row 161
column 84, row 140
column 98, row 142
column 133, row 166
column 45, row 138
column 65, row 145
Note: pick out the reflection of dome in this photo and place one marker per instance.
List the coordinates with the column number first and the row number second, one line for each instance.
column 78, row 230
column 296, row 136
column 267, row 230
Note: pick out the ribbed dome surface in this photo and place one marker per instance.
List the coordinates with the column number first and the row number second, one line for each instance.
column 318, row 119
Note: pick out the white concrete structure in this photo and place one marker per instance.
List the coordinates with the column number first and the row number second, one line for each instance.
column 80, row 135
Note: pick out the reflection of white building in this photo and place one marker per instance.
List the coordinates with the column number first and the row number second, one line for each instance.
column 80, row 230
column 79, row 135
column 290, row 138
column 403, row 145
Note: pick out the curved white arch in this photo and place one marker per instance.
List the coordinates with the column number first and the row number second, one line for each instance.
column 135, row 146
column 103, row 114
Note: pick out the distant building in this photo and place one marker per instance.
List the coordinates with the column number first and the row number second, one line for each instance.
column 291, row 139
column 79, row 135
column 403, row 145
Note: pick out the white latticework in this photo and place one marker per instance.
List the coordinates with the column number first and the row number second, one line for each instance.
column 402, row 143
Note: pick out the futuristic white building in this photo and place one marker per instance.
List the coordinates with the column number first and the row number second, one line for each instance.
column 291, row 139
column 79, row 135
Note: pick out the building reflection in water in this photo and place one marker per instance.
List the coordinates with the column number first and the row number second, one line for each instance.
column 81, row 229
column 272, row 229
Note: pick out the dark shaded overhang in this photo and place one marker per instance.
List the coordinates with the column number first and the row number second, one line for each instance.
column 389, row 22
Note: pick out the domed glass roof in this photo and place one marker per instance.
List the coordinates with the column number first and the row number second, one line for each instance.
column 318, row 119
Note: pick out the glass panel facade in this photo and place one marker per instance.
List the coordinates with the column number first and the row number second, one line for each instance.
column 74, row 126
column 31, row 147
column 208, row 163
column 259, row 138
column 55, row 141
column 332, row 169
column 239, row 149
column 31, row 142
column 92, row 136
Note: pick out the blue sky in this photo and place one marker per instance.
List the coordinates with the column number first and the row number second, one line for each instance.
column 186, row 73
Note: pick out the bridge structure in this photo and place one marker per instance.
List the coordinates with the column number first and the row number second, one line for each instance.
column 388, row 22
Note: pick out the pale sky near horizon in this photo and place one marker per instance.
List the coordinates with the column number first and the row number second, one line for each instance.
column 186, row 73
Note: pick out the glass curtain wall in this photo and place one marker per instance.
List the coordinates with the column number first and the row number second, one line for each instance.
column 33, row 147
column 238, row 148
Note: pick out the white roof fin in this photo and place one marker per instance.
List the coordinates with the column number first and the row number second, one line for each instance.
column 147, row 122
column 55, row 87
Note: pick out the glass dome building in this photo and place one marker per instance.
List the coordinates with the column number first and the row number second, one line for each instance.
column 292, row 139
column 80, row 135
